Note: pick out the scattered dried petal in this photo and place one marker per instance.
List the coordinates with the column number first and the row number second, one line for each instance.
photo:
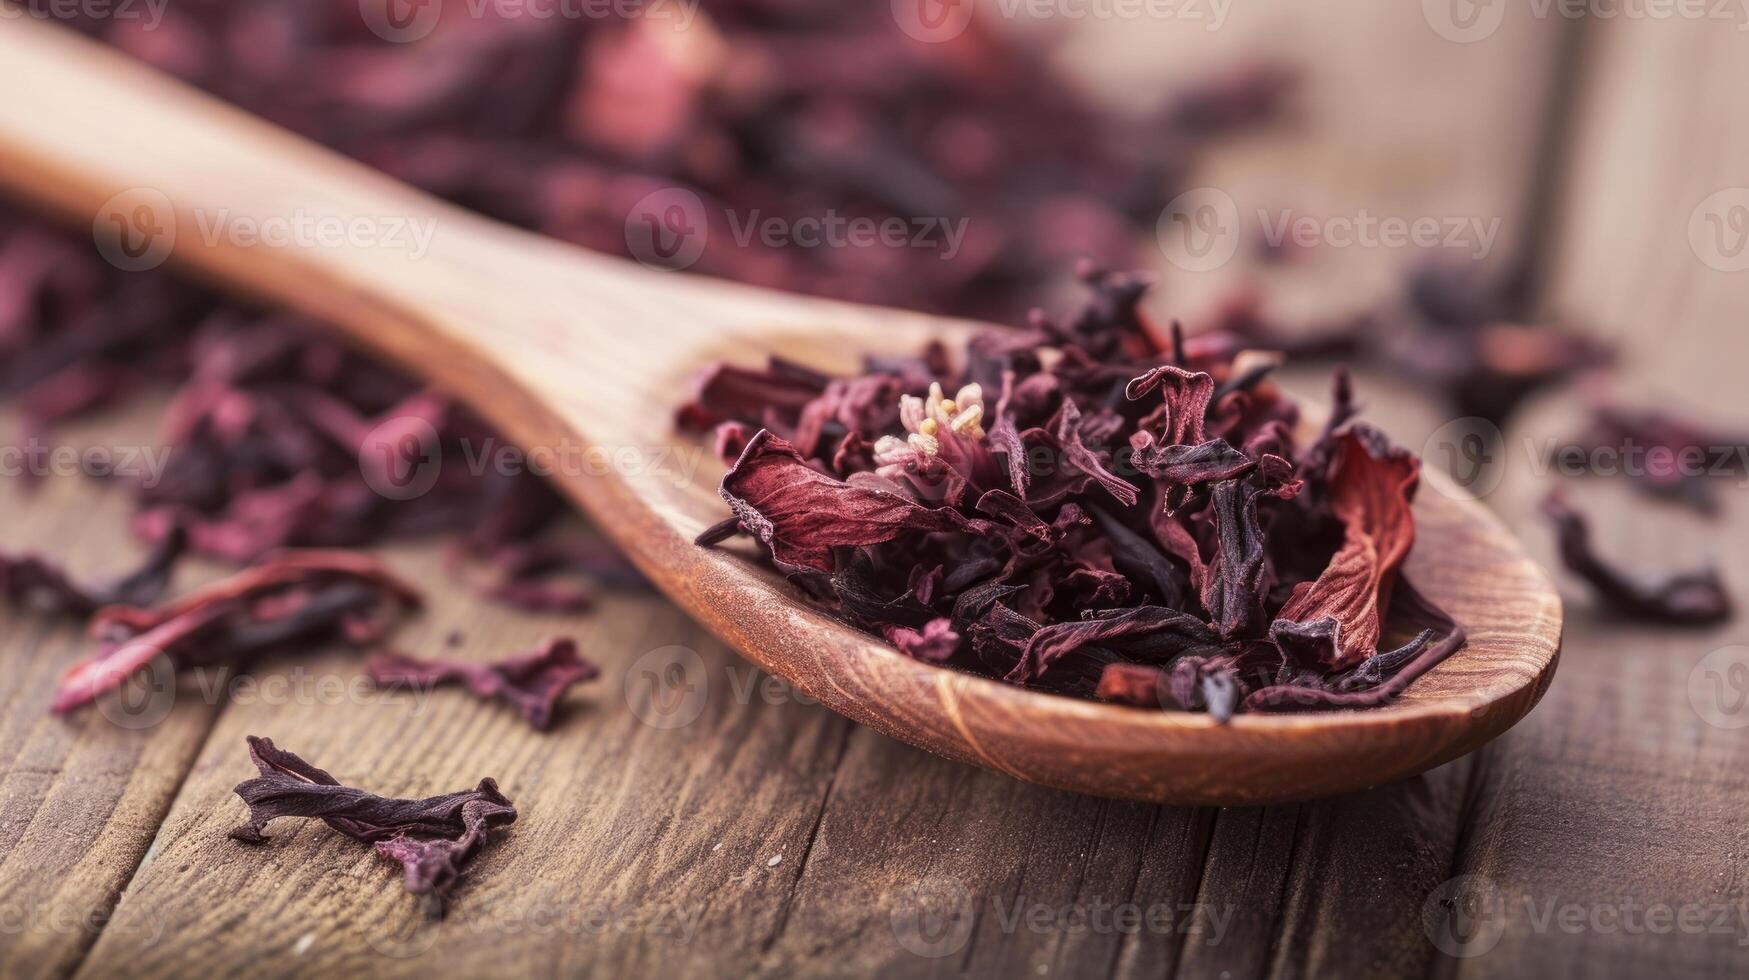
column 1696, row 598
column 532, row 683
column 432, row 838
column 305, row 596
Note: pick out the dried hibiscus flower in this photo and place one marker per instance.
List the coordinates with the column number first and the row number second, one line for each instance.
column 35, row 580
column 433, row 839
column 1664, row 454
column 542, row 576
column 572, row 127
column 1093, row 507
column 1696, row 598
column 1457, row 329
column 532, row 683
column 297, row 597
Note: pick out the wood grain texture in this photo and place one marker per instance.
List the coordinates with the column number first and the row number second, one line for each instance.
column 559, row 347
column 1620, row 795
column 80, row 798
column 1390, row 121
column 875, row 838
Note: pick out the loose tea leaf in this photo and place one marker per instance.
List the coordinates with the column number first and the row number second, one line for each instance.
column 298, row 597
column 433, row 839
column 760, row 112
column 35, row 580
column 1458, row 329
column 1099, row 508
column 1663, row 454
column 1475, row 342
column 542, row 576
column 801, row 515
column 532, row 683
column 1371, row 486
column 1696, row 598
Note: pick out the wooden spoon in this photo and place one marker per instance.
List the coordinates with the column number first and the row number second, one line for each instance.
column 561, row 347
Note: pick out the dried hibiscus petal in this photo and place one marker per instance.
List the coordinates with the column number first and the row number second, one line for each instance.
column 1378, row 679
column 801, row 514
column 1335, row 618
column 1088, row 538
column 33, row 579
column 1142, row 685
column 1696, row 598
column 935, row 642
column 299, row 596
column 1233, row 593
column 1674, row 456
column 541, row 576
column 1175, row 630
column 532, row 683
column 433, row 838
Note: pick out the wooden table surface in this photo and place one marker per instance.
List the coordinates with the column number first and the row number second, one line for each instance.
column 691, row 817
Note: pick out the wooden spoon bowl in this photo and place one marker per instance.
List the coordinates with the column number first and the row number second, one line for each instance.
column 559, row 347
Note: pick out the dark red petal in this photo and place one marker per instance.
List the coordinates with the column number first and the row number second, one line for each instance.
column 1371, row 486
column 801, row 514
column 1695, row 598
column 1187, row 395
column 433, row 838
column 532, row 683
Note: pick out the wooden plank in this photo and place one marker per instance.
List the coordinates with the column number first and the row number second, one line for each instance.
column 1392, row 121
column 1623, row 793
column 80, row 797
column 784, row 839
column 698, row 827
column 1331, row 888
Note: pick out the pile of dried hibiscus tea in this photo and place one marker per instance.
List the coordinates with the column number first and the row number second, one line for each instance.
column 759, row 107
column 1092, row 507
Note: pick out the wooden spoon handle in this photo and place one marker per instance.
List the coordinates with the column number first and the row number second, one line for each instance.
column 163, row 172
